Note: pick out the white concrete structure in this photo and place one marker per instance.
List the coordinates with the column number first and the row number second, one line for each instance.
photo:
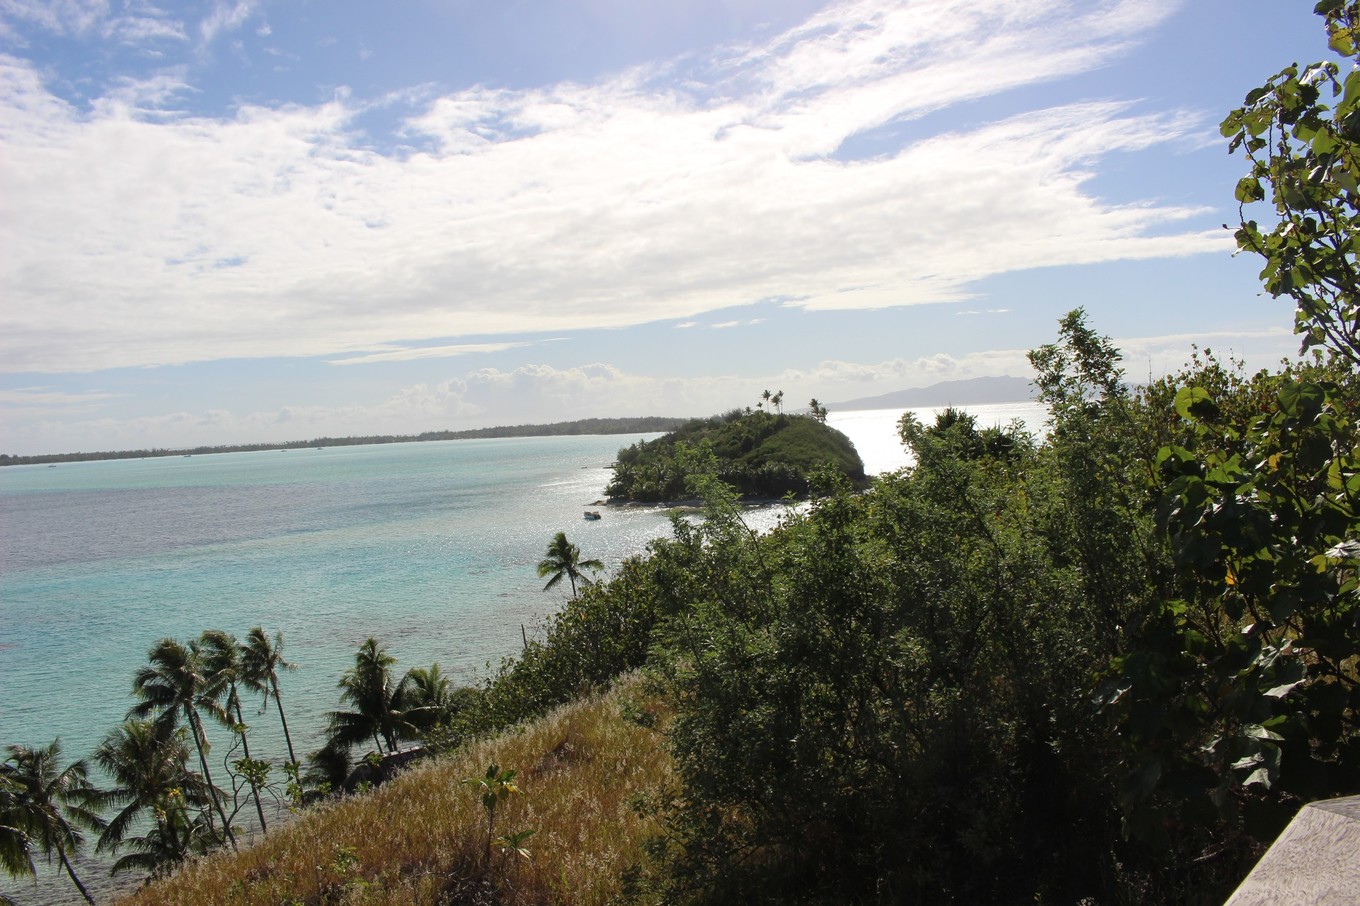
column 1315, row 862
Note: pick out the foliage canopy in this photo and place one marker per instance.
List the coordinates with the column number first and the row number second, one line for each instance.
column 760, row 454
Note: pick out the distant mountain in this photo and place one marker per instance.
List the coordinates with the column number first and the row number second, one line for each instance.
column 971, row 392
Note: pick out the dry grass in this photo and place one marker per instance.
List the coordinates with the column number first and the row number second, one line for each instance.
column 420, row 840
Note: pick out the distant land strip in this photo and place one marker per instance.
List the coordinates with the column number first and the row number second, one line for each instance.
column 652, row 424
column 977, row 391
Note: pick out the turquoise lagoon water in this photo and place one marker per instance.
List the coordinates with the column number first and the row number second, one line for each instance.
column 431, row 547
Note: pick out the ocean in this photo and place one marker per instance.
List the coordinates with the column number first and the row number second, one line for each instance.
column 430, row 547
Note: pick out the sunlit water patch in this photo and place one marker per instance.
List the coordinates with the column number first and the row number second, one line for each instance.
column 874, row 431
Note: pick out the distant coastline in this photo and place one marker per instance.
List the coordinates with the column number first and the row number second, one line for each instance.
column 969, row 392
column 643, row 425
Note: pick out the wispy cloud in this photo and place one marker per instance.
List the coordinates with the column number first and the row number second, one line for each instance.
column 407, row 354
column 132, row 23
column 226, row 17
column 49, row 398
column 59, row 16
column 543, row 393
column 632, row 200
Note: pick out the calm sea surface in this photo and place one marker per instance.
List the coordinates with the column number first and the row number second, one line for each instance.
column 430, row 547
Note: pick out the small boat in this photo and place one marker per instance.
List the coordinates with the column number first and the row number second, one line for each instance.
column 592, row 515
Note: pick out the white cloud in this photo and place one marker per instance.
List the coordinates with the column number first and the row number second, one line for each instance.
column 39, row 419
column 1166, row 354
column 129, row 236
column 48, row 398
column 407, row 354
column 59, row 16
column 226, row 17
column 131, row 23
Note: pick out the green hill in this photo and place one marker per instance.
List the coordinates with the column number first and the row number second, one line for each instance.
column 760, row 454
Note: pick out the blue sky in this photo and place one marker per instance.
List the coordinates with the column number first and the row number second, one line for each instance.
column 253, row 221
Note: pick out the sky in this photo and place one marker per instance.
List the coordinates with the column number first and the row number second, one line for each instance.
column 269, row 220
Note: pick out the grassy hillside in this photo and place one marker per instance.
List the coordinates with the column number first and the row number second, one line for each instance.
column 760, row 454
column 422, row 839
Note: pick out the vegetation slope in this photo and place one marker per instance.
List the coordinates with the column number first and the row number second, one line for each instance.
column 427, row 838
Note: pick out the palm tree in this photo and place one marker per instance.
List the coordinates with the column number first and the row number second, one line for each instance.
column 49, row 804
column 426, row 696
column 564, row 559
column 376, row 702
column 166, row 844
column 148, row 764
column 173, row 684
column 261, row 662
column 223, row 662
column 15, row 850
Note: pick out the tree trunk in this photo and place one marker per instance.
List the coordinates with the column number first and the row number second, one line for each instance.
column 66, row 863
column 196, row 727
column 245, row 746
column 283, row 720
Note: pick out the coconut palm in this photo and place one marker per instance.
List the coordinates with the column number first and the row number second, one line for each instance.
column 174, row 837
column 261, row 662
column 148, row 765
column 49, row 804
column 173, row 684
column 376, row 702
column 426, row 696
column 564, row 559
column 223, row 662
column 15, row 850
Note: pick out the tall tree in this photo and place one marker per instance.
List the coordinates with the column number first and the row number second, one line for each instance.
column 222, row 658
column 426, row 695
column 50, row 804
column 375, row 701
column 1305, row 153
column 563, row 559
column 261, row 661
column 148, row 766
column 1239, row 701
column 174, row 684
column 15, row 849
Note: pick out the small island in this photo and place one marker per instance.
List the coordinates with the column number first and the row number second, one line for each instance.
column 762, row 454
